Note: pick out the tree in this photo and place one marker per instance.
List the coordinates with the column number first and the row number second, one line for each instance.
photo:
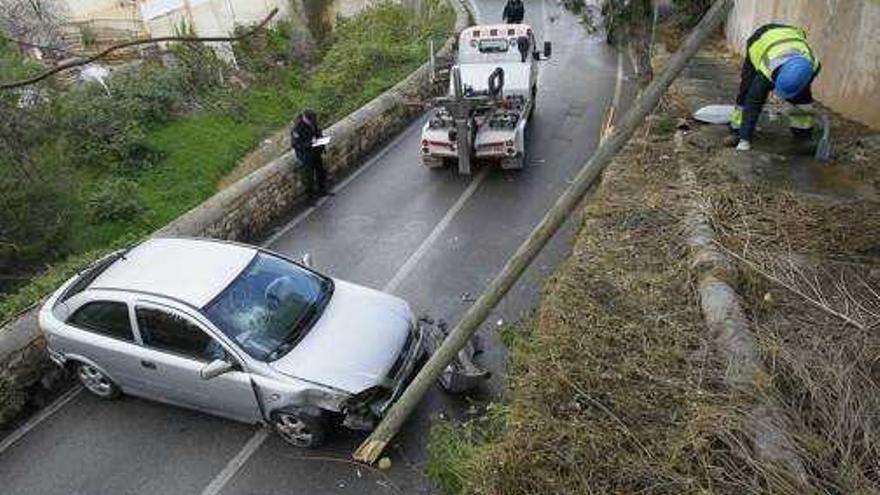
column 34, row 24
column 632, row 20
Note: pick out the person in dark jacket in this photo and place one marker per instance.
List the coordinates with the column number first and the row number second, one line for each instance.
column 302, row 137
column 778, row 58
column 514, row 12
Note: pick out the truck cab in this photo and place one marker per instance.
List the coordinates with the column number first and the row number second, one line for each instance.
column 498, row 67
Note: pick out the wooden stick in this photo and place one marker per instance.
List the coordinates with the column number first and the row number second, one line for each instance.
column 372, row 448
column 87, row 60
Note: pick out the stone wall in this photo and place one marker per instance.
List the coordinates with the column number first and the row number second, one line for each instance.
column 845, row 35
column 244, row 210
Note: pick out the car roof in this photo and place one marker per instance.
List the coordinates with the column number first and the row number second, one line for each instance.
column 193, row 271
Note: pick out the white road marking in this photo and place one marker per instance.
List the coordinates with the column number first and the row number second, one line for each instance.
column 414, row 258
column 545, row 31
column 39, row 418
column 236, row 462
column 618, row 85
column 339, row 187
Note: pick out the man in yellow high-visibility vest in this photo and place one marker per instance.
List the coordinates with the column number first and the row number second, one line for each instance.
column 778, row 58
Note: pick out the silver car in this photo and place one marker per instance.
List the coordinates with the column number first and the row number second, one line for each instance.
column 234, row 331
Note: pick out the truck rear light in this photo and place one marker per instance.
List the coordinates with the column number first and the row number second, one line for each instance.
column 424, row 143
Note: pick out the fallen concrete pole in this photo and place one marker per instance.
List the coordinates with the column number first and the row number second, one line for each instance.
column 375, row 444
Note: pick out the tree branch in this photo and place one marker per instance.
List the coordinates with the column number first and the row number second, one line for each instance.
column 127, row 44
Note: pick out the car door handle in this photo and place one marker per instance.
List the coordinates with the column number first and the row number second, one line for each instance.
column 148, row 364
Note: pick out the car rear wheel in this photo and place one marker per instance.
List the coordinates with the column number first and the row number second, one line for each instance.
column 299, row 430
column 96, row 382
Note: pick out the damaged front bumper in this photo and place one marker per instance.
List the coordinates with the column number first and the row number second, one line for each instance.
column 461, row 375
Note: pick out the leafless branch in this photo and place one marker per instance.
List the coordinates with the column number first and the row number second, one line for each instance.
column 844, row 306
column 87, row 60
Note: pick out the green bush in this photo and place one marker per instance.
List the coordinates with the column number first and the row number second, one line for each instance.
column 151, row 94
column 12, row 400
column 33, row 215
column 114, row 199
column 100, row 131
column 264, row 53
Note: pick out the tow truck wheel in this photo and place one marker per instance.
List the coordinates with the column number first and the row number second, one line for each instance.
column 299, row 429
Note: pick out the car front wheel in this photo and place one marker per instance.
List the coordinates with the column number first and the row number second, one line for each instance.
column 298, row 429
column 96, row 382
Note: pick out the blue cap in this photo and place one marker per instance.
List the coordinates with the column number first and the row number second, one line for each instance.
column 793, row 76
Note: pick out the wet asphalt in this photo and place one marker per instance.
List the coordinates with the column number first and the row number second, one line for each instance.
column 437, row 237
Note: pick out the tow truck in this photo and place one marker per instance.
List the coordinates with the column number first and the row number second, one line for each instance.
column 491, row 99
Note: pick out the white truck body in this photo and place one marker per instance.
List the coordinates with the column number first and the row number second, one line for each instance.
column 498, row 128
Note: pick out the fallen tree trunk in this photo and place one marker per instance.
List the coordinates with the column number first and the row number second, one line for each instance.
column 372, row 448
column 725, row 319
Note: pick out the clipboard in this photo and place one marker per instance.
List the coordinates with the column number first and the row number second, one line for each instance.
column 324, row 141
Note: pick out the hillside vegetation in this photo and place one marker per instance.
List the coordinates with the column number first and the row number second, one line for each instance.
column 84, row 170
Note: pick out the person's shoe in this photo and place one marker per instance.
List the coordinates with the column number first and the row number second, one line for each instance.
column 743, row 145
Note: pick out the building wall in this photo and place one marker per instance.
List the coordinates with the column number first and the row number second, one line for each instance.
column 845, row 34
column 208, row 17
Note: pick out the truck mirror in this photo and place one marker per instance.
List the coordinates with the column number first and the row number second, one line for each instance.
column 548, row 49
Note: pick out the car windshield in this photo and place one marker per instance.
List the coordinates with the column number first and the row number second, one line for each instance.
column 270, row 306
column 493, row 45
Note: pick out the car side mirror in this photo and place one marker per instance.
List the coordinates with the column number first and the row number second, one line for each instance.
column 215, row 368
column 548, row 49
column 307, row 260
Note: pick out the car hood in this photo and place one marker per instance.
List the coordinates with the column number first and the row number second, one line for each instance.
column 516, row 76
column 354, row 344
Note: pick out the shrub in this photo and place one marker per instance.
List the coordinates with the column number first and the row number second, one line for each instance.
column 33, row 214
column 114, row 199
column 264, row 52
column 200, row 69
column 99, row 131
column 151, row 94
column 12, row 400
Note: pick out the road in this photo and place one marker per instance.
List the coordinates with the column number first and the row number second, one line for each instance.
column 432, row 237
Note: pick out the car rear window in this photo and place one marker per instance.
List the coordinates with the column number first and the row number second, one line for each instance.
column 104, row 317
column 89, row 274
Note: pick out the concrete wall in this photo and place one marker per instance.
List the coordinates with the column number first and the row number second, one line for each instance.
column 844, row 33
column 244, row 210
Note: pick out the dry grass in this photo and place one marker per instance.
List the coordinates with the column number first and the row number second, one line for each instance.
column 810, row 279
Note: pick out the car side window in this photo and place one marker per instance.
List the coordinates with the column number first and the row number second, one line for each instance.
column 104, row 317
column 171, row 332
